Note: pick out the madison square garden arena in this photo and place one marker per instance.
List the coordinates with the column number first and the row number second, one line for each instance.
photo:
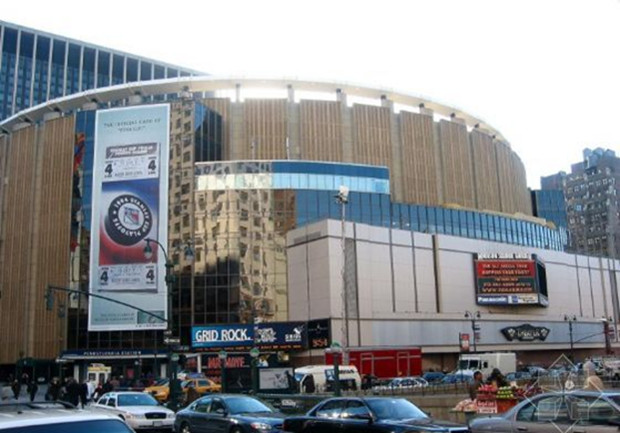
column 282, row 215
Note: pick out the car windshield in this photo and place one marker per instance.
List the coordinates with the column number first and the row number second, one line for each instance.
column 161, row 382
column 397, row 408
column 136, row 400
column 246, row 405
column 615, row 399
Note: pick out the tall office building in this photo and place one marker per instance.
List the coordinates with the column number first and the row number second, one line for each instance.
column 591, row 193
column 36, row 66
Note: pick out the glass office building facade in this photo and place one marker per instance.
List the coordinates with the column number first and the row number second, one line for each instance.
column 36, row 67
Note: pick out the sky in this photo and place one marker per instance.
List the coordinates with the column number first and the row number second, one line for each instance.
column 545, row 73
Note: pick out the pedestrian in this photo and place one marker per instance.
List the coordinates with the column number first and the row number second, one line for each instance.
column 593, row 382
column 73, row 392
column 25, row 379
column 84, row 394
column 98, row 392
column 588, row 367
column 16, row 387
column 32, row 389
column 475, row 385
column 308, row 385
column 497, row 378
column 107, row 387
column 292, row 383
column 54, row 389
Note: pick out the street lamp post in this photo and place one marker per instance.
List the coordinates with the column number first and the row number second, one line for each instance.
column 223, row 355
column 254, row 353
column 473, row 317
column 570, row 319
column 607, row 321
column 173, row 358
column 336, row 350
column 343, row 198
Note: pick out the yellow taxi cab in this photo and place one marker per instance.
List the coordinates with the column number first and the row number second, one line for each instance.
column 159, row 390
column 201, row 384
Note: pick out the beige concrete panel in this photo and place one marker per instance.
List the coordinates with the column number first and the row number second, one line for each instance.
column 522, row 194
column 15, row 279
column 52, row 242
column 505, row 176
column 321, row 130
column 418, row 159
column 265, row 125
column 371, row 135
column 456, row 164
column 485, row 171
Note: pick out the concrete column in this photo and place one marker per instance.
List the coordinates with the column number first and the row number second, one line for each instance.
column 347, row 127
column 292, row 126
column 396, row 169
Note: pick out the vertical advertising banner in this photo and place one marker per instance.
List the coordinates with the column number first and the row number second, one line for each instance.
column 130, row 204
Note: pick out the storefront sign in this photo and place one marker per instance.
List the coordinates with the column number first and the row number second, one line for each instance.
column 319, row 334
column 281, row 335
column 130, row 205
column 526, row 332
column 108, row 354
column 222, row 336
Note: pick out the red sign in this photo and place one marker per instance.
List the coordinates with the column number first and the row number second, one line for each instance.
column 464, row 342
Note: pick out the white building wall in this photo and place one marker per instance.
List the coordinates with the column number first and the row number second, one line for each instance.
column 401, row 275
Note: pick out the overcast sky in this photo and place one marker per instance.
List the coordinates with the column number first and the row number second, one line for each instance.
column 543, row 72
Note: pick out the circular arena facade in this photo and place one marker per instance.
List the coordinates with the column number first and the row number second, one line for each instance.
column 250, row 160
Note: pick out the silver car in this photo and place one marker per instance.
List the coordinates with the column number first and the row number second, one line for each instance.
column 561, row 412
column 139, row 409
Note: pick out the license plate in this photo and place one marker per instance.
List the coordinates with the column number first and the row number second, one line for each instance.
column 157, row 423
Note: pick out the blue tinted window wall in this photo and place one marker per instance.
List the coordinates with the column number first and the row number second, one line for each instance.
column 73, row 69
column 88, row 69
column 7, row 74
column 42, row 63
column 24, row 71
column 103, row 69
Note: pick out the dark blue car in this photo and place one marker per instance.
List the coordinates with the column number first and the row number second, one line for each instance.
column 228, row 414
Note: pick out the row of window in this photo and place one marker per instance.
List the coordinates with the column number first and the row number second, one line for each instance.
column 71, row 68
column 297, row 181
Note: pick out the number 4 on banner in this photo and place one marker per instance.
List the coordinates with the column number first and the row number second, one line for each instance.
column 108, row 169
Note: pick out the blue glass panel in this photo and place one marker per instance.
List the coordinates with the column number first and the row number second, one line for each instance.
column 366, row 209
column 355, row 207
column 335, row 208
column 88, row 69
column 146, row 72
column 396, row 220
column 324, row 199
column 386, row 214
column 73, row 69
column 440, row 220
column 132, row 69
column 24, row 71
column 408, row 222
column 301, row 206
column 41, row 68
column 375, row 209
column 313, row 206
column 103, row 69
column 313, row 181
column 477, row 225
column 118, row 67
column 422, row 217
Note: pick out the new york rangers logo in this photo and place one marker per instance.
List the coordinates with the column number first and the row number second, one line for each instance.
column 129, row 220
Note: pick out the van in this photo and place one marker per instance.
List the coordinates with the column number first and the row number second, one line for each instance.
column 323, row 376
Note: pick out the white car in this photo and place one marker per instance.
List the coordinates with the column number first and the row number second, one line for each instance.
column 140, row 410
column 54, row 418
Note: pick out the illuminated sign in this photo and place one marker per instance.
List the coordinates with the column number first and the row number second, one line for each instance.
column 510, row 279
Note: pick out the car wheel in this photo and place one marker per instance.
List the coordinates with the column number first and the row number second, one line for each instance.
column 185, row 428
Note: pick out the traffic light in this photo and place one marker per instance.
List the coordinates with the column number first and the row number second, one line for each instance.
column 49, row 299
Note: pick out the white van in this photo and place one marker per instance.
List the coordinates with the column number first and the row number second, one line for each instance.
column 323, row 376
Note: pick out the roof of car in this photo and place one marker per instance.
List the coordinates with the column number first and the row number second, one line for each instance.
column 18, row 418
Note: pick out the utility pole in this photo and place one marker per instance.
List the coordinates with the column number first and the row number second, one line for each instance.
column 343, row 198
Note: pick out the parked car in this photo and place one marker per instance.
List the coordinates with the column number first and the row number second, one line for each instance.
column 139, row 409
column 370, row 414
column 433, row 376
column 585, row 411
column 402, row 383
column 518, row 375
column 48, row 417
column 230, row 414
column 461, row 377
column 161, row 390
